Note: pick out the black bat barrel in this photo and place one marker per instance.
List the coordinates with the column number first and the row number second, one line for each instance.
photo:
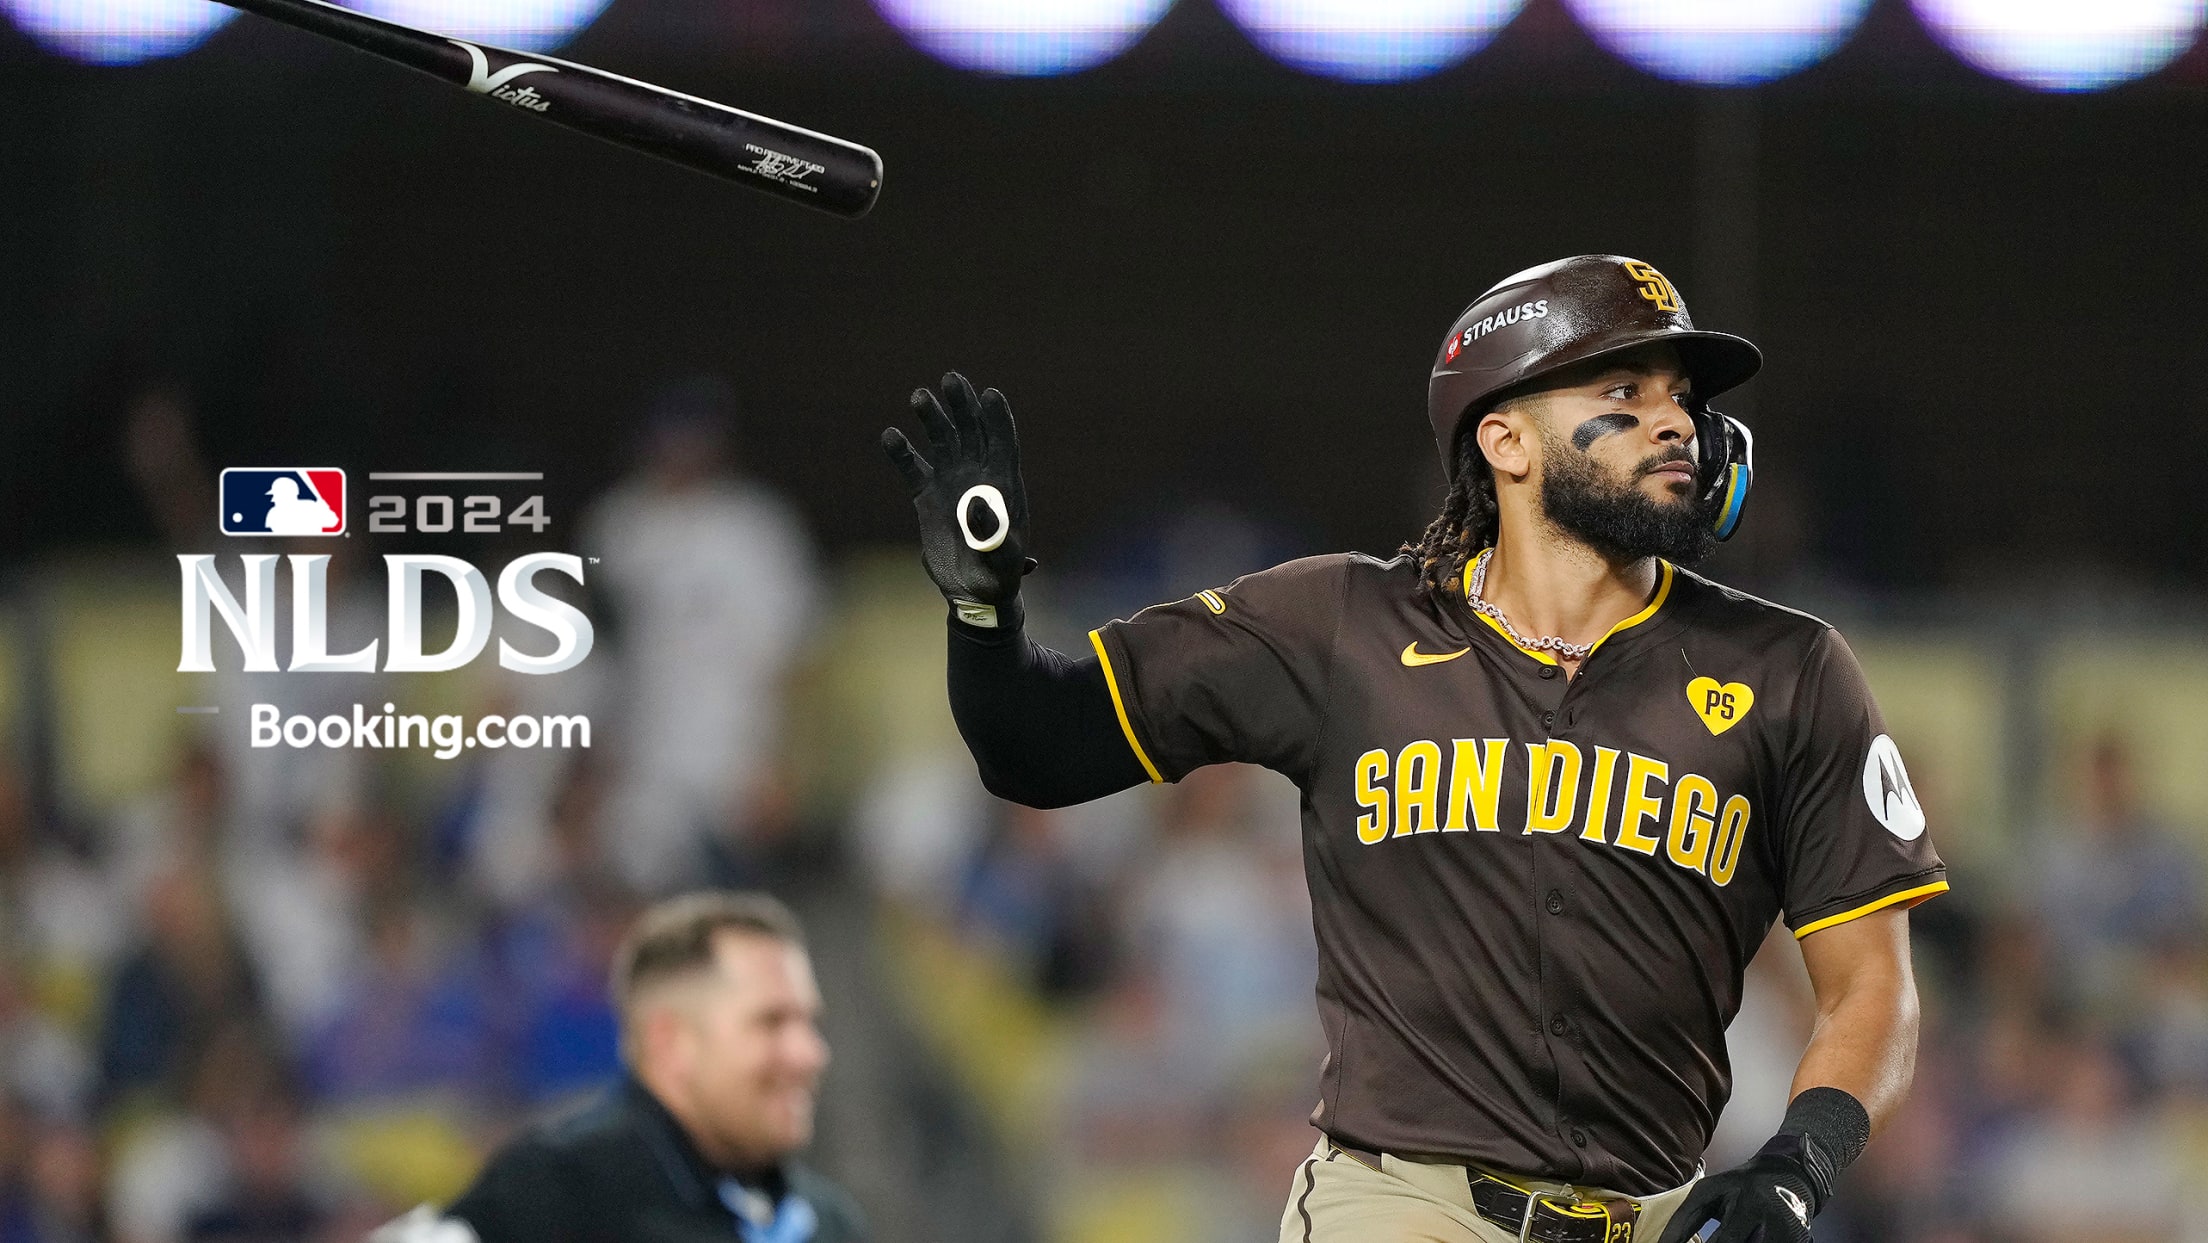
column 796, row 164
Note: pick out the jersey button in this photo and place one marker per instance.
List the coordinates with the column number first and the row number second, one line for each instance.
column 1557, row 1026
column 1556, row 902
column 1579, row 1138
column 1548, row 719
column 1548, row 671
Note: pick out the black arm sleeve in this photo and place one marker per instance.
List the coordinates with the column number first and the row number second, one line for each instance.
column 1041, row 724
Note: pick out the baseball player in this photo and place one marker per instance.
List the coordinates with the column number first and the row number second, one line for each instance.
column 1556, row 787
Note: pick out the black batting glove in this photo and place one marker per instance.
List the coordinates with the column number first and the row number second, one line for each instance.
column 972, row 506
column 1768, row 1200
column 1773, row 1196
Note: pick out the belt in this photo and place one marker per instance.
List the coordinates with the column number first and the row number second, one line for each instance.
column 1537, row 1216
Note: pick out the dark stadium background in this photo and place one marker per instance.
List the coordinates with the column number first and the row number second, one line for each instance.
column 1212, row 287
column 1979, row 303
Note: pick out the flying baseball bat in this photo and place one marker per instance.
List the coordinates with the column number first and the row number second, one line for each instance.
column 798, row 164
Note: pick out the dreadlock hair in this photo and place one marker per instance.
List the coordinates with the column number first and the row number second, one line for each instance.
column 1466, row 524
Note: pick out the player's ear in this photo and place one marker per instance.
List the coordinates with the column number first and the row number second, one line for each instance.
column 1505, row 436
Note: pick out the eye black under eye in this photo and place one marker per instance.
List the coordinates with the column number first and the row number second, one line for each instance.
column 1602, row 425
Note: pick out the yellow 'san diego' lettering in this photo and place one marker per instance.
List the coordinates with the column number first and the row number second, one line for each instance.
column 1372, row 769
column 1423, row 788
column 1476, row 781
column 1640, row 805
column 1417, row 774
column 1598, row 799
column 1693, row 816
column 1732, row 832
column 1552, row 786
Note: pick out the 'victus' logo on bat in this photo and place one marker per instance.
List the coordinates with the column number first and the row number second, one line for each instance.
column 483, row 82
column 787, row 169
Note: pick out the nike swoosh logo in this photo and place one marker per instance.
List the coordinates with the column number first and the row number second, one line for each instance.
column 1414, row 658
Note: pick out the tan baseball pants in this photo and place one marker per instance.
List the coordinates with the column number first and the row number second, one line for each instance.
column 1337, row 1198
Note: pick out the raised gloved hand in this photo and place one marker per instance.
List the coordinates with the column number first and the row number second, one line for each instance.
column 972, row 506
column 1770, row 1199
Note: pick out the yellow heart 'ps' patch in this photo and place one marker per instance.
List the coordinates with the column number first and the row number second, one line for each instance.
column 1720, row 707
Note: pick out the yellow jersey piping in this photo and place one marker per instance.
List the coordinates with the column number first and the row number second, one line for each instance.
column 1919, row 893
column 1663, row 592
column 1111, row 682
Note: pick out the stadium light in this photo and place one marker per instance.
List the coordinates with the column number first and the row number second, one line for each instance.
column 1371, row 40
column 2065, row 45
column 1720, row 42
column 118, row 32
column 530, row 25
column 1026, row 38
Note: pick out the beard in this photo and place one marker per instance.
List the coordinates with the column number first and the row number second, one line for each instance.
column 1618, row 520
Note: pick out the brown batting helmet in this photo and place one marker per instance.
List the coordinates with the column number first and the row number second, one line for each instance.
column 1550, row 317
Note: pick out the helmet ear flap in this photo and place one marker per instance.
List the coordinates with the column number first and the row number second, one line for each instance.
column 1728, row 468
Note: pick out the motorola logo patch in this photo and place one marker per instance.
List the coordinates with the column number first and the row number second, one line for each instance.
column 1886, row 788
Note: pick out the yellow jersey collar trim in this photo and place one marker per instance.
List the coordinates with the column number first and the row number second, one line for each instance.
column 1663, row 593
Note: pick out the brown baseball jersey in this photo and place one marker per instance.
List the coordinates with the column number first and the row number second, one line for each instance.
column 1535, row 895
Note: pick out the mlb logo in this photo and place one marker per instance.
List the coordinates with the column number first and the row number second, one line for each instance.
column 307, row 500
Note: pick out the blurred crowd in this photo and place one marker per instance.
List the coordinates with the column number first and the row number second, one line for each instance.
column 285, row 995
column 2062, row 1083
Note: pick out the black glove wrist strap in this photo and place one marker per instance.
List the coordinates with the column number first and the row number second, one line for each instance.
column 1006, row 616
column 1824, row 1131
column 988, row 623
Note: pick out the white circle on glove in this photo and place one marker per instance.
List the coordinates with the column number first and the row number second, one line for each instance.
column 994, row 499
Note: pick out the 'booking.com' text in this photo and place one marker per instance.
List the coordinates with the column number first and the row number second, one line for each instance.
column 448, row 734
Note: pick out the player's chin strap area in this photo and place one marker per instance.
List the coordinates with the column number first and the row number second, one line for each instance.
column 1729, row 469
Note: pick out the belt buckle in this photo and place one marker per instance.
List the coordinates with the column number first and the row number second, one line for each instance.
column 1551, row 1213
column 1576, row 1219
